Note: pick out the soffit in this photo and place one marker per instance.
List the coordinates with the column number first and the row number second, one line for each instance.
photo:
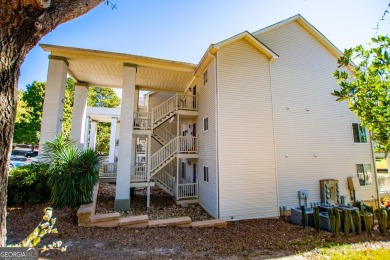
column 105, row 69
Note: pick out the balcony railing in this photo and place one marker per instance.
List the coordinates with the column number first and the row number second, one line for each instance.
column 188, row 144
column 142, row 120
column 108, row 169
column 139, row 173
column 187, row 190
column 187, row 102
column 384, row 183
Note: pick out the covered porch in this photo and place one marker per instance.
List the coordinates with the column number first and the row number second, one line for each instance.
column 129, row 123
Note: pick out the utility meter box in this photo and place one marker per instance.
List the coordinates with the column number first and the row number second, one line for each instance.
column 329, row 191
column 303, row 194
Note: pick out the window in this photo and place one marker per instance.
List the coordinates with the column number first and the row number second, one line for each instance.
column 359, row 133
column 364, row 174
column 205, row 124
column 206, row 173
column 205, row 77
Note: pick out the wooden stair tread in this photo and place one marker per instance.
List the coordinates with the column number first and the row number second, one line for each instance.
column 182, row 221
column 217, row 223
column 134, row 220
column 105, row 217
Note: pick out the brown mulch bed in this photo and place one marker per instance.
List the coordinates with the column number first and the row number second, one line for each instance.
column 260, row 239
column 162, row 204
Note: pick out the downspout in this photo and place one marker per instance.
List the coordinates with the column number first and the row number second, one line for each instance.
column 376, row 172
column 274, row 135
column 216, row 130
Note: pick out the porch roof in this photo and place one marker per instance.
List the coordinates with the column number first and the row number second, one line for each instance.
column 105, row 69
column 103, row 114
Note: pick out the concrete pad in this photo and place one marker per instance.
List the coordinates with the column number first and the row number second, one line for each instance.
column 170, row 222
column 136, row 220
column 105, row 217
column 215, row 223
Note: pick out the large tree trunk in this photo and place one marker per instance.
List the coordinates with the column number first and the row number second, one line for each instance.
column 22, row 24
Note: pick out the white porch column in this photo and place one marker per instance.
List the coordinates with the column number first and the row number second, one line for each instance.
column 79, row 113
column 125, row 153
column 54, row 99
column 111, row 154
column 86, row 132
column 388, row 163
column 92, row 135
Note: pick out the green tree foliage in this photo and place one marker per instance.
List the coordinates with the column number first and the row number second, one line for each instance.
column 103, row 97
column 22, row 118
column 73, row 172
column 29, row 114
column 367, row 87
column 68, row 107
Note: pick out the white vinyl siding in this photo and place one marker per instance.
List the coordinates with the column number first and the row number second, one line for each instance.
column 247, row 178
column 207, row 141
column 310, row 125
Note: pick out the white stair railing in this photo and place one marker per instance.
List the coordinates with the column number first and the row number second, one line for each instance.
column 163, row 154
column 166, row 179
column 164, row 109
column 163, row 134
column 187, row 190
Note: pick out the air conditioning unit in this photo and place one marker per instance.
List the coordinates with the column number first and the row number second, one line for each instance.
column 296, row 216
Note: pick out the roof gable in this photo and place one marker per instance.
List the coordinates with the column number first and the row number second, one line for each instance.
column 309, row 28
column 214, row 48
column 251, row 39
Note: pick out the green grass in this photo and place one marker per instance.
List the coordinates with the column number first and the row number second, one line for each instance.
column 348, row 253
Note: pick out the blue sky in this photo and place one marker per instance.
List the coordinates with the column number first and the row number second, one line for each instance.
column 183, row 29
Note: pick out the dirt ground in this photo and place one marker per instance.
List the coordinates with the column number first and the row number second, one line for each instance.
column 163, row 205
column 254, row 239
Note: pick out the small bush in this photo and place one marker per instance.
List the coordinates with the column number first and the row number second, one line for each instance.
column 357, row 221
column 28, row 184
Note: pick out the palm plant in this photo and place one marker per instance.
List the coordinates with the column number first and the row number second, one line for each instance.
column 73, row 172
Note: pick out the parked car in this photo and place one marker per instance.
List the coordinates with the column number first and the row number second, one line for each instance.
column 31, row 154
column 16, row 164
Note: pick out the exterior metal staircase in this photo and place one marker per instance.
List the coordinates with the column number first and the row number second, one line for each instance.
column 162, row 135
column 163, row 156
column 171, row 144
column 166, row 182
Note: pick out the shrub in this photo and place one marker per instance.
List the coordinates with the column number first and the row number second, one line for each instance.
column 357, row 221
column 368, row 221
column 381, row 216
column 317, row 221
column 346, row 221
column 73, row 172
column 335, row 221
column 28, row 184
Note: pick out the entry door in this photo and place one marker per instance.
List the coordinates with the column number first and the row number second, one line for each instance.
column 194, row 129
column 194, row 173
column 183, row 170
column 194, row 99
